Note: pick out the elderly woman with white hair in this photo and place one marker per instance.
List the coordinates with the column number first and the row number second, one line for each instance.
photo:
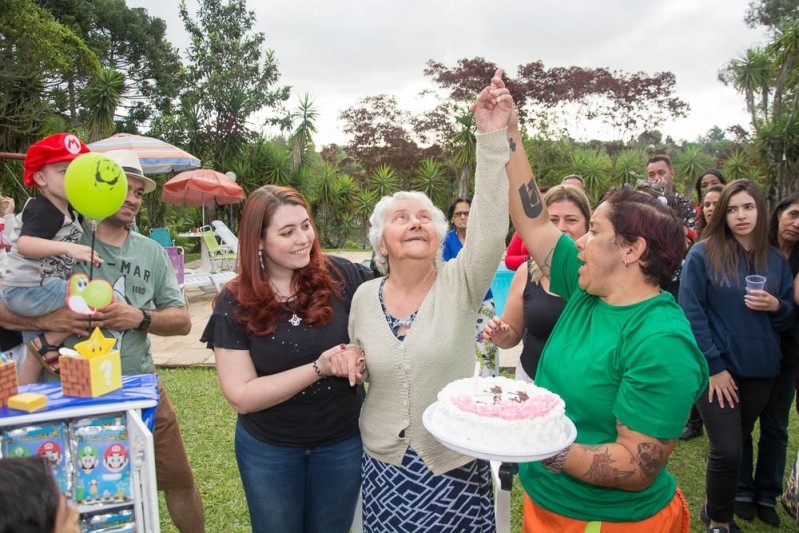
column 416, row 329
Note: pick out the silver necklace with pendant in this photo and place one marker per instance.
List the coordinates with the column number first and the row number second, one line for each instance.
column 295, row 319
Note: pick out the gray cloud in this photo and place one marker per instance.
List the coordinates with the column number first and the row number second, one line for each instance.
column 342, row 51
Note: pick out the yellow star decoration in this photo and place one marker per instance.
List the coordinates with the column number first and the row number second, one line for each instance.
column 97, row 344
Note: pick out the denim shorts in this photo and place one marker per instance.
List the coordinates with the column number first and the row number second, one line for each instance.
column 35, row 301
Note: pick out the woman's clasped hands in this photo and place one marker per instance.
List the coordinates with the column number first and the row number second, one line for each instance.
column 345, row 361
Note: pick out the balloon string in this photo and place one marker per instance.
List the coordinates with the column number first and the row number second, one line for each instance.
column 91, row 263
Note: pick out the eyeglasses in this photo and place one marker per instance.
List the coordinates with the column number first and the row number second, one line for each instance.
column 460, row 214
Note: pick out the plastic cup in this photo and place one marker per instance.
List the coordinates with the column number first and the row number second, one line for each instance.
column 755, row 283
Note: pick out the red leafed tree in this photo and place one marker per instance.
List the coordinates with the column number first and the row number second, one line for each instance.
column 560, row 98
column 381, row 135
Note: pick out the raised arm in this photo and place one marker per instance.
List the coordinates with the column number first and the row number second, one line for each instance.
column 526, row 203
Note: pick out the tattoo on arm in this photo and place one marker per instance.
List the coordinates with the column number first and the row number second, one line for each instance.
column 650, row 458
column 602, row 472
column 531, row 201
column 546, row 268
column 512, row 144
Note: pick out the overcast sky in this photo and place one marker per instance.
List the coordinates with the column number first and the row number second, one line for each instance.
column 340, row 51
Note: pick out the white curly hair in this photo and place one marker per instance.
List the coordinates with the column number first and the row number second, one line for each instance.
column 377, row 224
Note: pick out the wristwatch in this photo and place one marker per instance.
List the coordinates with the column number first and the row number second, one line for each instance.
column 145, row 321
column 555, row 463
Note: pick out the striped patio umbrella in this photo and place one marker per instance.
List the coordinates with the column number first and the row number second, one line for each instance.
column 156, row 156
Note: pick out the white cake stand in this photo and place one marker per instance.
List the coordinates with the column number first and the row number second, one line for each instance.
column 464, row 446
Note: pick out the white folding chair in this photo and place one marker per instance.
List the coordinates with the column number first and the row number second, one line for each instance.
column 227, row 237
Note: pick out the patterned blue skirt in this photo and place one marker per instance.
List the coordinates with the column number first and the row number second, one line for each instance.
column 411, row 498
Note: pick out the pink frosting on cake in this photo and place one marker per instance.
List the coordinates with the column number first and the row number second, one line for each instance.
column 513, row 408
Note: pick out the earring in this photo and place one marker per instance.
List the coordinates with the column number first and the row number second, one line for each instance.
column 625, row 263
column 261, row 259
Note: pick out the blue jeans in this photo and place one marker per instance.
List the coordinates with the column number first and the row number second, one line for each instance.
column 35, row 301
column 766, row 485
column 299, row 489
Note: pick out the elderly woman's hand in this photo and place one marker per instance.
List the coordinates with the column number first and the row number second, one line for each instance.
column 345, row 360
column 494, row 105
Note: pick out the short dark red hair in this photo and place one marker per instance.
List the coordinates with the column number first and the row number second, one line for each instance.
column 637, row 214
column 313, row 285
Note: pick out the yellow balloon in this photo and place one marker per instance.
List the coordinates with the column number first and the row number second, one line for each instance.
column 95, row 185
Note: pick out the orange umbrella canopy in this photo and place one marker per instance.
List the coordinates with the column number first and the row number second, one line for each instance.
column 201, row 187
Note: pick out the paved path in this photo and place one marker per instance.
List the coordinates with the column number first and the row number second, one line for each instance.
column 189, row 351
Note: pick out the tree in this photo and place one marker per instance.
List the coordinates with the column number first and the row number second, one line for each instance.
column 770, row 12
column 36, row 55
column 384, row 181
column 430, row 179
column 380, row 135
column 630, row 103
column 231, row 75
column 103, row 96
column 594, row 167
column 465, row 151
column 751, row 74
column 130, row 42
column 301, row 139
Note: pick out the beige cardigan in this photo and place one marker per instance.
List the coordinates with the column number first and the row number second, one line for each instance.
column 405, row 376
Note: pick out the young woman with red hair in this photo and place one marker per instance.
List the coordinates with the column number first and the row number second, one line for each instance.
column 273, row 330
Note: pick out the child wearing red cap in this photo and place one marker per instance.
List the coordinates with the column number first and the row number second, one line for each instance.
column 44, row 244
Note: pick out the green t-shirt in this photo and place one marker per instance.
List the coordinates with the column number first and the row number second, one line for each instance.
column 141, row 274
column 638, row 364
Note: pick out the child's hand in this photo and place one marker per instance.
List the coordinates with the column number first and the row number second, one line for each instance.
column 81, row 252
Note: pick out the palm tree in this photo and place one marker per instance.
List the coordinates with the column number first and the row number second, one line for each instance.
column 735, row 166
column 301, row 139
column 325, row 195
column 103, row 96
column 690, row 165
column 429, row 178
column 465, row 156
column 751, row 74
column 627, row 167
column 384, row 181
column 363, row 205
column 275, row 165
column 594, row 166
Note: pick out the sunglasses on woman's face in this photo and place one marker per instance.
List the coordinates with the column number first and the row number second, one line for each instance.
column 460, row 214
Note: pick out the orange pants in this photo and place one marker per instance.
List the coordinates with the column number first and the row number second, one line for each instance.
column 674, row 518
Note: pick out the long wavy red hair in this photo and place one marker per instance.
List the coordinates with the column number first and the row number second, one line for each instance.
column 313, row 285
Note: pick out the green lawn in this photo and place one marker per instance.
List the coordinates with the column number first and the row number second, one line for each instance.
column 207, row 424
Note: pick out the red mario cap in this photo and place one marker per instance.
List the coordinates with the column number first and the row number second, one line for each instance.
column 56, row 148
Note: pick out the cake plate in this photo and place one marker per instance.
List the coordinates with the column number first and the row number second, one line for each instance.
column 462, row 445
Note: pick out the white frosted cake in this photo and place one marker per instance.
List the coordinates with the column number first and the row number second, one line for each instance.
column 500, row 415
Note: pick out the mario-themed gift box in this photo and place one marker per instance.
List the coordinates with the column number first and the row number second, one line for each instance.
column 95, row 369
column 48, row 440
column 102, row 459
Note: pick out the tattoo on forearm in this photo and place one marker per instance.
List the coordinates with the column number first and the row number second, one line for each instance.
column 531, row 201
column 512, row 144
column 603, row 473
column 650, row 457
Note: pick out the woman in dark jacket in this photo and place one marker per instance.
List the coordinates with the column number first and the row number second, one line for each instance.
column 737, row 330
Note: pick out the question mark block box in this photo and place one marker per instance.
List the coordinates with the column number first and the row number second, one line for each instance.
column 9, row 385
column 90, row 377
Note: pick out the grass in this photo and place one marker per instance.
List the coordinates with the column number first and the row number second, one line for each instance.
column 207, row 423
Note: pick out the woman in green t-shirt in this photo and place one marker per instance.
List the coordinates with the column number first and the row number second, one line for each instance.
column 622, row 356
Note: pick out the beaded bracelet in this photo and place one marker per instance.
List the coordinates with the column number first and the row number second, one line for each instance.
column 318, row 372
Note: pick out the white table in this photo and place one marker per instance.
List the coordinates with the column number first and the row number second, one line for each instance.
column 205, row 261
